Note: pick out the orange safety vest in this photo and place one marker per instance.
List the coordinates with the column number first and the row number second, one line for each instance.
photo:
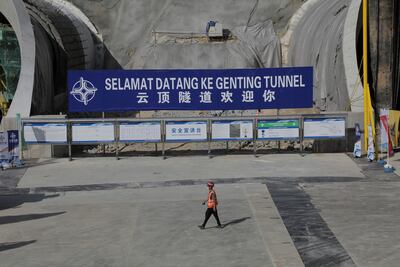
column 212, row 199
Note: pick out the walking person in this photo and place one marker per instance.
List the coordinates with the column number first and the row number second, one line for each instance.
column 212, row 204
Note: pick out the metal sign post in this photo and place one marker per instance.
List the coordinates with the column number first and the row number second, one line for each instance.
column 19, row 128
column 302, row 135
column 163, row 137
column 116, row 133
column 69, row 139
column 209, row 138
column 255, row 137
column 103, row 145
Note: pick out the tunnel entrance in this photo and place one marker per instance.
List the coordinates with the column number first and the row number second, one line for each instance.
column 64, row 40
column 50, row 73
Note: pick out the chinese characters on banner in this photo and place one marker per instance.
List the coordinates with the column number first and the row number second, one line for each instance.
column 224, row 89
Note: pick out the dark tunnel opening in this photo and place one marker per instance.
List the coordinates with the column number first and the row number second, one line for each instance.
column 63, row 42
column 3, row 19
column 56, row 52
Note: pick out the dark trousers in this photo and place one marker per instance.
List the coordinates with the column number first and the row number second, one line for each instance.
column 210, row 211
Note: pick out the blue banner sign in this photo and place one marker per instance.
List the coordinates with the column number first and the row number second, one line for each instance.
column 9, row 146
column 211, row 89
column 13, row 144
column 4, row 151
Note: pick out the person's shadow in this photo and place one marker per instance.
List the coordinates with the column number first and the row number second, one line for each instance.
column 235, row 221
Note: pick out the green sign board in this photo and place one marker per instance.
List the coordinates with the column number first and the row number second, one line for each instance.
column 274, row 124
column 278, row 129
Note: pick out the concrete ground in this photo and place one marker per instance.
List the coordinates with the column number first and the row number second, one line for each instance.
column 278, row 210
column 58, row 172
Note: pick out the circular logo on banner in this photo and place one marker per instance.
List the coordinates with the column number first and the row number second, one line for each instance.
column 83, row 91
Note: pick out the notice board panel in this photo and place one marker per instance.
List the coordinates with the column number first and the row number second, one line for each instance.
column 186, row 131
column 140, row 131
column 93, row 133
column 284, row 129
column 232, row 130
column 317, row 128
column 45, row 133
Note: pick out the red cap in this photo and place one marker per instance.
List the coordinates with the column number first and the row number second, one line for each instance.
column 210, row 183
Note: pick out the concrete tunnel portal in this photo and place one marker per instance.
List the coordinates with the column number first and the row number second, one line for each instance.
column 58, row 35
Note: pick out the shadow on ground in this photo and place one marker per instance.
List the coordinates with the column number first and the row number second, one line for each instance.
column 233, row 222
column 8, row 201
column 14, row 245
column 27, row 217
column 237, row 221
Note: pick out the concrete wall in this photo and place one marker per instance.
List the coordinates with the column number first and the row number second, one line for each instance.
column 317, row 41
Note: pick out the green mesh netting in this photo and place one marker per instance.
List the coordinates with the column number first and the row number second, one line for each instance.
column 10, row 61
